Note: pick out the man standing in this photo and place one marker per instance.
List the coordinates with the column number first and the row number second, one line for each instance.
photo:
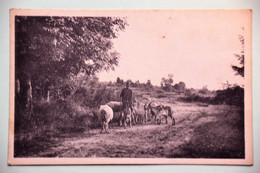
column 126, row 96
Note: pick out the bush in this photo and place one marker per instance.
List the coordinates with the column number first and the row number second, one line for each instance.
column 69, row 109
column 48, row 121
column 204, row 90
column 230, row 96
column 196, row 98
column 64, row 115
column 180, row 87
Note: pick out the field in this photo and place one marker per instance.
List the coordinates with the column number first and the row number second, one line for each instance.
column 201, row 131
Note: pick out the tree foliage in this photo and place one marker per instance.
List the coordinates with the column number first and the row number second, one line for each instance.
column 204, row 90
column 240, row 69
column 181, row 86
column 119, row 81
column 233, row 95
column 50, row 49
column 149, row 84
column 167, row 83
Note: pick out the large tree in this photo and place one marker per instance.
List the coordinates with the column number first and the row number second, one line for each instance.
column 167, row 83
column 51, row 49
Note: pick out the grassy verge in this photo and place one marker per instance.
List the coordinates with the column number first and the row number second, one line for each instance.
column 49, row 121
column 222, row 138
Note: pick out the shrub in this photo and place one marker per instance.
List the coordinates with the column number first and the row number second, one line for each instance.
column 196, row 98
column 64, row 113
column 230, row 96
column 204, row 90
column 180, row 86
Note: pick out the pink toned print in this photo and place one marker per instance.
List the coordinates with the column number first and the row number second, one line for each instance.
column 197, row 47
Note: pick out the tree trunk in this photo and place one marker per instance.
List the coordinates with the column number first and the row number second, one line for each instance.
column 29, row 105
column 48, row 96
column 23, row 101
column 24, row 94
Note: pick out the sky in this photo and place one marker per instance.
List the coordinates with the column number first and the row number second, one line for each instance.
column 197, row 47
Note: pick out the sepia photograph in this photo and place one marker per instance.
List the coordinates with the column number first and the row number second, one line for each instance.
column 130, row 87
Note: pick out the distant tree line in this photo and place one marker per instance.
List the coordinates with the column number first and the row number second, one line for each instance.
column 167, row 84
column 136, row 84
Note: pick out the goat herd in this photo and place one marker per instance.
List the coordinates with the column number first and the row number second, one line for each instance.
column 129, row 115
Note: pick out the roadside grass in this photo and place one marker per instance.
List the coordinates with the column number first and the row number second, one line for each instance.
column 221, row 138
column 50, row 121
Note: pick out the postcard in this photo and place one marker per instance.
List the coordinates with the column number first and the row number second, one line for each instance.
column 130, row 87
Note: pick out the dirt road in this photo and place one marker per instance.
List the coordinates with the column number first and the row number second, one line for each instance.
column 145, row 141
column 138, row 141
